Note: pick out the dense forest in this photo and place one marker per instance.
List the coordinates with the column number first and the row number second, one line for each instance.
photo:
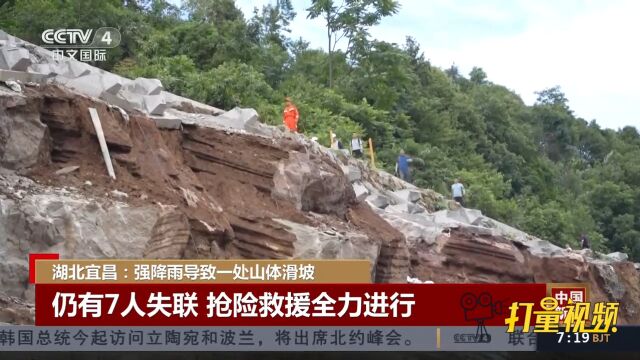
column 539, row 168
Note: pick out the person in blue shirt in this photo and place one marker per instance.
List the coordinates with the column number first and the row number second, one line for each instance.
column 457, row 192
column 402, row 166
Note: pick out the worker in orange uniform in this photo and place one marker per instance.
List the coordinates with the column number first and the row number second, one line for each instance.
column 290, row 115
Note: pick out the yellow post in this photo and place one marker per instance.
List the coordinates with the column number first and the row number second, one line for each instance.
column 330, row 138
column 373, row 160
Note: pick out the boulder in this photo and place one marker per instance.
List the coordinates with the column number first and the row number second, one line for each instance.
column 167, row 121
column 543, row 248
column 73, row 69
column 352, row 172
column 311, row 186
column 95, row 85
column 617, row 256
column 16, row 58
column 124, row 99
column 612, row 284
column 415, row 228
column 67, row 169
column 313, row 243
column 405, row 208
column 408, row 195
column 22, row 134
column 21, row 76
column 154, row 104
column 465, row 216
column 360, row 191
column 144, row 86
column 377, row 201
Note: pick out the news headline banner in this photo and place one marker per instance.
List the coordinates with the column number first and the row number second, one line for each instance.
column 280, row 304
column 201, row 271
column 269, row 338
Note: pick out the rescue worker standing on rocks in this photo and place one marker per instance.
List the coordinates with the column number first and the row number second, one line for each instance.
column 290, row 115
column 356, row 146
column 584, row 242
column 402, row 166
column 457, row 192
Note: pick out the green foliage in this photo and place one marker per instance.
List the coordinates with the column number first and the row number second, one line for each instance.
column 536, row 167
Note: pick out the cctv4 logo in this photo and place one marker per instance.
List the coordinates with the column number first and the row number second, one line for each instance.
column 103, row 37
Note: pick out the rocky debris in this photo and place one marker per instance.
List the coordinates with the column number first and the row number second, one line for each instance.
column 377, row 201
column 405, row 208
column 57, row 220
column 25, row 62
column 23, row 137
column 407, row 195
column 14, row 58
column 412, row 280
column 239, row 120
column 462, row 245
column 361, row 191
column 15, row 311
column 617, row 256
column 67, row 170
column 119, row 194
column 144, row 86
column 95, row 84
column 313, row 243
column 416, row 228
column 392, row 264
column 352, row 172
column 154, row 104
column 611, row 283
column 311, row 187
column 13, row 85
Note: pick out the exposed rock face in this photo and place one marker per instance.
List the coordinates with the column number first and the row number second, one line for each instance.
column 15, row 311
column 194, row 193
column 34, row 218
column 22, row 135
column 169, row 237
column 311, row 188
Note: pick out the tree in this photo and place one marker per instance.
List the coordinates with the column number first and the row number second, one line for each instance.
column 552, row 96
column 477, row 76
column 212, row 11
column 351, row 20
column 272, row 21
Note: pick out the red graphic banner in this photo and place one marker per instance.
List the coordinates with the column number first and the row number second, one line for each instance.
column 279, row 304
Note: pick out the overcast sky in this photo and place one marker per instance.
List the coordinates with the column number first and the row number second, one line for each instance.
column 589, row 48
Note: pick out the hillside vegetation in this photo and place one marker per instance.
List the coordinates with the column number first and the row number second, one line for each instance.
column 539, row 168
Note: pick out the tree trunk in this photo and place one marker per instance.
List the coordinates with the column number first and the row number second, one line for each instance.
column 330, row 51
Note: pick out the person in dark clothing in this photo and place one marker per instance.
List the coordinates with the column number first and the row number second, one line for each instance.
column 584, row 242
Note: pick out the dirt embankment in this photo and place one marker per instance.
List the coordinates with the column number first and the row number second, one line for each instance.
column 222, row 182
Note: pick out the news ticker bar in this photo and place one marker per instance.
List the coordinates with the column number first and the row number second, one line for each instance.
column 269, row 338
column 55, row 271
column 308, row 338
